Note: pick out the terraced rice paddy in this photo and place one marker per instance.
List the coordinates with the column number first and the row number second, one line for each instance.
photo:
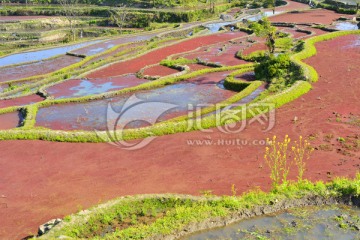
column 42, row 180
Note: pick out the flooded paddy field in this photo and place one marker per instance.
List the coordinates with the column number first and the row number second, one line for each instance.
column 84, row 87
column 326, row 222
column 38, row 55
column 93, row 115
column 20, row 101
column 346, row 26
column 9, row 120
column 105, row 45
column 37, row 68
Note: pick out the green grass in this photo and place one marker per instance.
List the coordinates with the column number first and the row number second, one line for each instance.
column 181, row 211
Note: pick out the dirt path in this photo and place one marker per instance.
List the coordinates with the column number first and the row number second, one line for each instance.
column 43, row 180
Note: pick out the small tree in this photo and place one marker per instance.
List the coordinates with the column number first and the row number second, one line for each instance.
column 212, row 5
column 272, row 4
column 263, row 28
column 70, row 13
column 119, row 16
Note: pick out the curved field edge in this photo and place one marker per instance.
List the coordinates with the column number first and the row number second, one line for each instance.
column 171, row 127
column 80, row 68
column 184, row 214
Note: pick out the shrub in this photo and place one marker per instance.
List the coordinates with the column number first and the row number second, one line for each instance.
column 280, row 71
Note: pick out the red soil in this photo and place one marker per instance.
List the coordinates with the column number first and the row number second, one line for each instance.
column 159, row 70
column 316, row 32
column 156, row 56
column 212, row 78
column 20, row 101
column 43, row 180
column 38, row 68
column 9, row 120
column 228, row 57
column 293, row 32
column 254, row 47
column 222, row 53
column 320, row 16
column 292, row 6
column 196, row 67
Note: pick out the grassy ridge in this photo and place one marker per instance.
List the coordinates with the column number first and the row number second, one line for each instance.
column 179, row 211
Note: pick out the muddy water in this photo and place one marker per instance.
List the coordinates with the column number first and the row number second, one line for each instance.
column 155, row 105
column 85, row 87
column 40, row 54
column 327, row 222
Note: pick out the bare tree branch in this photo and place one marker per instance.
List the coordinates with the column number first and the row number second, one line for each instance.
column 70, row 13
column 119, row 16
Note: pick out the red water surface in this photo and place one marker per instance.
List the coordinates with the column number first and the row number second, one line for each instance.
column 44, row 180
column 156, row 56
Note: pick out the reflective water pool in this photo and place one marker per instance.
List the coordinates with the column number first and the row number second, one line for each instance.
column 40, row 54
column 327, row 222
